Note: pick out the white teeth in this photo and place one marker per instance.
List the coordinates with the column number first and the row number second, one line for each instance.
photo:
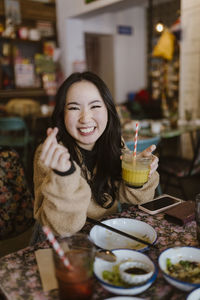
column 86, row 130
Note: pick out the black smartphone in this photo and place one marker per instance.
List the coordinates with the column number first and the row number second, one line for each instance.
column 159, row 204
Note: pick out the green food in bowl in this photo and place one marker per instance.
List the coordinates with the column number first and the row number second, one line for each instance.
column 184, row 270
column 113, row 277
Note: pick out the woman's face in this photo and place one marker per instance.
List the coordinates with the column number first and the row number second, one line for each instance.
column 86, row 115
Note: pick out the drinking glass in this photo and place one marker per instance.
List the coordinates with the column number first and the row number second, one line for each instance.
column 77, row 282
column 135, row 170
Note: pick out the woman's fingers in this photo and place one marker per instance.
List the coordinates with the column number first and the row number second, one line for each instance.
column 154, row 165
column 49, row 154
column 54, row 155
column 51, row 139
column 49, row 130
column 148, row 151
column 61, row 159
column 57, row 157
column 64, row 162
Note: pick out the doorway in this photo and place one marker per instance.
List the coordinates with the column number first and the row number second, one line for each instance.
column 99, row 51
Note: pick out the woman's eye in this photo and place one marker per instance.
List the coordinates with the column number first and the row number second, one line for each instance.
column 73, row 108
column 96, row 106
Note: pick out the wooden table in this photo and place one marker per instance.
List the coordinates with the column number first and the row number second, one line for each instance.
column 19, row 276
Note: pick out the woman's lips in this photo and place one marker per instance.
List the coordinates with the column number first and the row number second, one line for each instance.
column 87, row 130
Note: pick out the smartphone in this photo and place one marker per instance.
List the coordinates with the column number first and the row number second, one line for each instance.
column 160, row 204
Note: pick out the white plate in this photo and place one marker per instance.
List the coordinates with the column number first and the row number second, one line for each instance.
column 107, row 239
column 194, row 295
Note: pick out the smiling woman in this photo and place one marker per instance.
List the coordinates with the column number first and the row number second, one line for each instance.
column 77, row 170
column 86, row 114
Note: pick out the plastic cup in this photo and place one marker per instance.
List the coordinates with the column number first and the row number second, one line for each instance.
column 135, row 171
column 76, row 283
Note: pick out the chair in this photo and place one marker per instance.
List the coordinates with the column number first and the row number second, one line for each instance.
column 142, row 144
column 16, row 199
column 177, row 168
column 16, row 243
column 14, row 133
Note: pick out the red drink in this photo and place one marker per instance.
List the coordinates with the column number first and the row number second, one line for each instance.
column 76, row 283
column 75, row 286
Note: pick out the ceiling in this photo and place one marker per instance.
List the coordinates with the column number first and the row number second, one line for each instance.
column 115, row 7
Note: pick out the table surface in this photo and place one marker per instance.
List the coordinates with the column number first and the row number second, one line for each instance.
column 19, row 276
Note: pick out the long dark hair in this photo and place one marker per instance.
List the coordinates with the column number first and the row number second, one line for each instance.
column 108, row 146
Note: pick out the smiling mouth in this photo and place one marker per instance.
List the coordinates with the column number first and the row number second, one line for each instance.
column 87, row 130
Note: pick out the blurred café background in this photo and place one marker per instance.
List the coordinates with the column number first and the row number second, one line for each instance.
column 147, row 52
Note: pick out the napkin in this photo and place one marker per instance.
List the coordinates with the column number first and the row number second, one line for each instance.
column 44, row 258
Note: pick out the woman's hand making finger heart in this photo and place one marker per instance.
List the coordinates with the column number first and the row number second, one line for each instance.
column 53, row 154
column 154, row 163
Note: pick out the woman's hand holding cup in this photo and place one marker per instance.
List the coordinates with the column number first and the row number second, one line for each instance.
column 154, row 164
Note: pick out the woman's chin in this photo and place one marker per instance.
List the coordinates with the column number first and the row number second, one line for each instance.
column 86, row 145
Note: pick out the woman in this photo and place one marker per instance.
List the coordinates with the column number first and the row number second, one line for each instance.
column 77, row 170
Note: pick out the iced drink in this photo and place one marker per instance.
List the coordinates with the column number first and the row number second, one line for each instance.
column 76, row 283
column 135, row 171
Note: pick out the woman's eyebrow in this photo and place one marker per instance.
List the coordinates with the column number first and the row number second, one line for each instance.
column 73, row 103
column 95, row 101
column 76, row 103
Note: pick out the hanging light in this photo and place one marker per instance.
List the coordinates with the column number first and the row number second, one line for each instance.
column 159, row 27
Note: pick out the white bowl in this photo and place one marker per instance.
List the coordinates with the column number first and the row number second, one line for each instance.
column 175, row 255
column 194, row 295
column 135, row 278
column 107, row 239
column 123, row 255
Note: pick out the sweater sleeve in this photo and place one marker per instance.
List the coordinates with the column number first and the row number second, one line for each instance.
column 61, row 202
column 139, row 195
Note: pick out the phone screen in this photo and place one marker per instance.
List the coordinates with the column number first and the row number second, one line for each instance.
column 159, row 203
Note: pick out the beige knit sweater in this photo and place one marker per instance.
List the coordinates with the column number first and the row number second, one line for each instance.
column 64, row 202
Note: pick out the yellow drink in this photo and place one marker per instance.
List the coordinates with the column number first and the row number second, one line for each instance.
column 135, row 172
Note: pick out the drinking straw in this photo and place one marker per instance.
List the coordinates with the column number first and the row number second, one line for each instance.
column 56, row 246
column 135, row 139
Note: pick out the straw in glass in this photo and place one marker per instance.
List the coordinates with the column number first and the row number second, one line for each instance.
column 135, row 140
column 50, row 236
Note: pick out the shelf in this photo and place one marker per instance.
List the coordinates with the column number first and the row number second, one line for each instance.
column 31, row 92
column 31, row 10
column 26, row 41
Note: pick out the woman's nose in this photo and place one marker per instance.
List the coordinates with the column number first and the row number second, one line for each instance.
column 85, row 116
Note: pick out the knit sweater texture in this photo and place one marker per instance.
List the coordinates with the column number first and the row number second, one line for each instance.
column 64, row 202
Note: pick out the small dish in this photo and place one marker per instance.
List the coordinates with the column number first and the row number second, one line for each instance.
column 135, row 272
column 107, row 239
column 178, row 257
column 100, row 267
